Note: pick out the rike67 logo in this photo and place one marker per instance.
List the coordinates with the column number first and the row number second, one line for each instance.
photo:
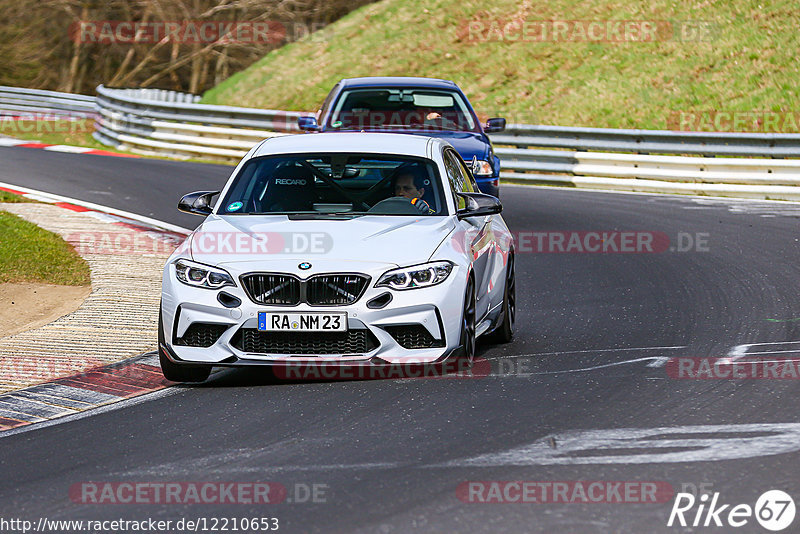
column 774, row 510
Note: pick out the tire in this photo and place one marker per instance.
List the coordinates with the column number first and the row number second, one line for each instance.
column 176, row 372
column 468, row 338
column 505, row 330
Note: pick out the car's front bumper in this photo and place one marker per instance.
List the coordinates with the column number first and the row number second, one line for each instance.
column 438, row 309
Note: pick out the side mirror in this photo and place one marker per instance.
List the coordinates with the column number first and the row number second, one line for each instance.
column 307, row 124
column 479, row 205
column 495, row 125
column 198, row 203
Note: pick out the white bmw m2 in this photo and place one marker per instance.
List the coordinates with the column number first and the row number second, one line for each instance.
column 351, row 249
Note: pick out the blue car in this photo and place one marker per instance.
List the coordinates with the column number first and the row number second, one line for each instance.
column 421, row 106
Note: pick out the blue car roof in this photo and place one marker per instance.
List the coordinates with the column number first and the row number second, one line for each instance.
column 398, row 81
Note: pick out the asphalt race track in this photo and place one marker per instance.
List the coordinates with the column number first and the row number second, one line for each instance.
column 594, row 332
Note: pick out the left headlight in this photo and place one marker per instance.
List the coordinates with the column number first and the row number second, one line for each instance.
column 482, row 168
column 416, row 276
column 199, row 275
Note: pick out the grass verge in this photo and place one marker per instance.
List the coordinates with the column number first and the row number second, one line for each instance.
column 11, row 198
column 52, row 132
column 744, row 59
column 31, row 254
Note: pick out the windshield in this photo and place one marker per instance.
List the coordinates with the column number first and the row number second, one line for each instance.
column 387, row 109
column 336, row 184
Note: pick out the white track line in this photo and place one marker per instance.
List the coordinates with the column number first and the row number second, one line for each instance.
column 69, row 149
column 579, row 370
column 657, row 361
column 740, row 351
column 98, row 207
column 795, row 342
column 7, row 141
column 675, row 347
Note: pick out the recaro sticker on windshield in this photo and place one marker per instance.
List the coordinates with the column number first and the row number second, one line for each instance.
column 235, row 206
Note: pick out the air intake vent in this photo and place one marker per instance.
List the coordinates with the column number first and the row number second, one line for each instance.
column 201, row 335
column 413, row 336
column 334, row 289
column 258, row 342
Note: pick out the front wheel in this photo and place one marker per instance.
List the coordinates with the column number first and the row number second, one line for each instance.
column 175, row 372
column 505, row 331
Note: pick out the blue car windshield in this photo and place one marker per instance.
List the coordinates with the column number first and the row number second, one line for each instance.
column 406, row 109
column 339, row 183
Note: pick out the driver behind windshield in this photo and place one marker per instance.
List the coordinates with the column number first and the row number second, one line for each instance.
column 411, row 185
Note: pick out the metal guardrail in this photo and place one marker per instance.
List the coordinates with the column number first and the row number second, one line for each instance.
column 651, row 141
column 127, row 101
column 645, row 160
column 151, row 121
column 518, row 162
column 20, row 102
column 635, row 160
column 176, row 125
column 158, row 95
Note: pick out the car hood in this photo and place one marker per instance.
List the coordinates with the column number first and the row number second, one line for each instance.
column 468, row 144
column 390, row 240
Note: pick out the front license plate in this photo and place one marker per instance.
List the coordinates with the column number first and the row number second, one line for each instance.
column 302, row 322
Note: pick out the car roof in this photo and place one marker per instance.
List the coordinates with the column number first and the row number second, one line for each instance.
column 381, row 143
column 398, row 81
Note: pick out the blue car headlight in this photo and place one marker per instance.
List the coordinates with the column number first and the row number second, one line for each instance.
column 416, row 276
column 482, row 168
column 199, row 275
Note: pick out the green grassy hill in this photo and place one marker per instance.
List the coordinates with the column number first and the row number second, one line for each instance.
column 747, row 62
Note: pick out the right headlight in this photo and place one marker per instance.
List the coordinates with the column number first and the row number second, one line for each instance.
column 482, row 168
column 416, row 276
column 199, row 275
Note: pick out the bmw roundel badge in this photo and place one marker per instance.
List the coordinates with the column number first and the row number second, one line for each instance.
column 305, row 266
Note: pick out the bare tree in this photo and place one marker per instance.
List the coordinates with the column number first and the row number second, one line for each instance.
column 48, row 43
